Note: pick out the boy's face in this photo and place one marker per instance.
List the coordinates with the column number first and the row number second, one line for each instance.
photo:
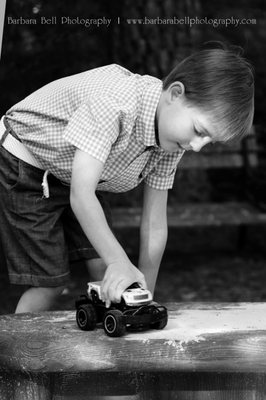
column 182, row 126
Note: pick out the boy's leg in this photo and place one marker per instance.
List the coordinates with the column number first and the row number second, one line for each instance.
column 37, row 299
column 32, row 233
column 96, row 268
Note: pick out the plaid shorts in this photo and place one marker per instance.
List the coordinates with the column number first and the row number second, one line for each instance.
column 39, row 235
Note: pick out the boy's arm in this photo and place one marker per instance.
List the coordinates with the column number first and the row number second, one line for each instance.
column 120, row 272
column 153, row 233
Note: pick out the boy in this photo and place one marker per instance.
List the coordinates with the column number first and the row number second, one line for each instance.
column 107, row 130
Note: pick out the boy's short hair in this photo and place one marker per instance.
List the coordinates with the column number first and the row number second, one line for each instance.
column 218, row 80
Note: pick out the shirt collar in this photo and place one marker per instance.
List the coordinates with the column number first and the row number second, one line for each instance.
column 145, row 124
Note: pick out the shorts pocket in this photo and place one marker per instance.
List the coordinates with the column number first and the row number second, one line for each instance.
column 14, row 175
column 11, row 169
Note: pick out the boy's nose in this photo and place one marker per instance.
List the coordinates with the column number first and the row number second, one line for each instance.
column 197, row 143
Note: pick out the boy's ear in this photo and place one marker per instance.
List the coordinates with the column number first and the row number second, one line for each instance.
column 177, row 90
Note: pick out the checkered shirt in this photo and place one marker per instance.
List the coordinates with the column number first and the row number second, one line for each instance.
column 107, row 112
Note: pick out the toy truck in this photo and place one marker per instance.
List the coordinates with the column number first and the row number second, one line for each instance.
column 135, row 312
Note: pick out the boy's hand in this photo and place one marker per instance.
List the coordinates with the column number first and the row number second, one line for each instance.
column 118, row 277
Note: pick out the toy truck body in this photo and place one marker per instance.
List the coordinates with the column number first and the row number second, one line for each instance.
column 135, row 312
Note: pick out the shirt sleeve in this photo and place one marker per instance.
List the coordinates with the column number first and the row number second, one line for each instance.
column 163, row 175
column 94, row 127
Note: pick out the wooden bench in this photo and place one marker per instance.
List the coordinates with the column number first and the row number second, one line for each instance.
column 196, row 214
column 228, row 226
column 237, row 215
column 207, row 351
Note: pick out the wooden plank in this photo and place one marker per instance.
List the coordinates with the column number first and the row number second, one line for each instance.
column 205, row 347
column 196, row 214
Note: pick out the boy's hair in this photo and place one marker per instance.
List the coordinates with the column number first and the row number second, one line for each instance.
column 218, row 80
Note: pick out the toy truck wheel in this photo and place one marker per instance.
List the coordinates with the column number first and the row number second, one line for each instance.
column 161, row 324
column 86, row 317
column 113, row 323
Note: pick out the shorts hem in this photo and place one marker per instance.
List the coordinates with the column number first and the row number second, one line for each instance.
column 44, row 281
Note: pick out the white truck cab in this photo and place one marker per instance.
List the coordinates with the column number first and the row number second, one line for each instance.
column 133, row 296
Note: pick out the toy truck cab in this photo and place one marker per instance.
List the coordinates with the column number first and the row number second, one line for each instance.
column 136, row 311
column 133, row 296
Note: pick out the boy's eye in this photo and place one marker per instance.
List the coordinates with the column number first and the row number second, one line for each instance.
column 200, row 134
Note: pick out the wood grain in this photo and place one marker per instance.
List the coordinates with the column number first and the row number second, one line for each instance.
column 196, row 215
column 213, row 347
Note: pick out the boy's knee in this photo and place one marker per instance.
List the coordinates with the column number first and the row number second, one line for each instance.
column 96, row 268
column 53, row 291
column 36, row 299
column 48, row 292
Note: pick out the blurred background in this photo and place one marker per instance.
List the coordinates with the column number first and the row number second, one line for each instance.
column 216, row 247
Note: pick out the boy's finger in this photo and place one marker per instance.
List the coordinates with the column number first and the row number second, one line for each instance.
column 107, row 303
column 120, row 288
column 104, row 289
column 108, row 290
column 143, row 283
column 106, row 283
column 115, row 290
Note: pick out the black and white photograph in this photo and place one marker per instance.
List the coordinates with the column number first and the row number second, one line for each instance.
column 132, row 200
